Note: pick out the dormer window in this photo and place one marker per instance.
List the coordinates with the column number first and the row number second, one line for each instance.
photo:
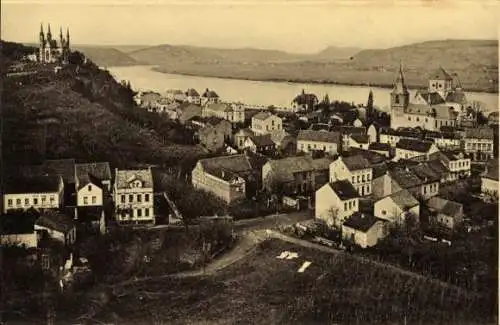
column 89, row 188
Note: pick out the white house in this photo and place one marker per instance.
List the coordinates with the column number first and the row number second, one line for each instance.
column 193, row 96
column 363, row 230
column 39, row 192
column 134, row 197
column 335, row 202
column 489, row 179
column 411, row 148
column 456, row 162
column 310, row 140
column 356, row 170
column 395, row 207
column 265, row 122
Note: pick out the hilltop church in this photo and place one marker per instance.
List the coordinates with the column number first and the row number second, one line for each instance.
column 430, row 109
column 49, row 50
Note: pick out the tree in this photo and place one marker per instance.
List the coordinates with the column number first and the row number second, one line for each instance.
column 333, row 216
column 76, row 58
column 369, row 108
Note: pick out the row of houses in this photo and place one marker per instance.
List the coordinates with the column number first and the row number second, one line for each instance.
column 63, row 193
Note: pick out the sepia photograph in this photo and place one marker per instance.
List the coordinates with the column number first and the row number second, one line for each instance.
column 223, row 162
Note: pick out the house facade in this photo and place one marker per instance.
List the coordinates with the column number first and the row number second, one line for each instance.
column 226, row 176
column 241, row 136
column 134, row 197
column 458, row 165
column 335, row 202
column 309, row 140
column 262, row 144
column 265, row 123
column 411, row 148
column 209, row 97
column 396, row 207
column 193, row 97
column 447, row 213
column 295, row 175
column 489, row 179
column 363, row 230
column 478, row 142
column 92, row 183
column 39, row 192
column 356, row 170
column 230, row 112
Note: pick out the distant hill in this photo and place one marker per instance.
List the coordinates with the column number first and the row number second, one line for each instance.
column 106, row 56
column 204, row 55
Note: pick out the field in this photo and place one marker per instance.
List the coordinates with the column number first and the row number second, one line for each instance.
column 262, row 289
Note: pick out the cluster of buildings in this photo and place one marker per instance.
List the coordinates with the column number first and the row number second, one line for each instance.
column 364, row 179
column 54, row 199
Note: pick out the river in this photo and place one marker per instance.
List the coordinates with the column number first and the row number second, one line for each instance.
column 264, row 92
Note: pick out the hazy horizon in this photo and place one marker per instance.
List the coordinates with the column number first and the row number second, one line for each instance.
column 291, row 26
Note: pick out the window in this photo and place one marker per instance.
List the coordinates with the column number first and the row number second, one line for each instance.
column 418, row 119
column 384, row 212
column 350, row 205
column 45, row 262
column 345, row 206
column 18, row 201
column 85, row 200
column 367, row 177
column 52, row 199
column 139, row 198
column 425, row 189
column 146, row 197
column 89, row 188
column 353, row 179
column 396, row 99
column 35, row 201
column 409, row 118
column 363, row 178
column 130, row 198
column 26, row 201
column 9, row 202
column 146, row 212
column 139, row 212
column 426, row 120
column 94, row 200
column 122, row 198
column 358, row 178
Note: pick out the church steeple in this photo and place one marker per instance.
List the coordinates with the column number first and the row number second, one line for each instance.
column 67, row 37
column 400, row 97
column 42, row 35
column 399, row 84
column 49, row 34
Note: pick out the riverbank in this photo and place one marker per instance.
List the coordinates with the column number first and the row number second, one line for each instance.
column 347, row 77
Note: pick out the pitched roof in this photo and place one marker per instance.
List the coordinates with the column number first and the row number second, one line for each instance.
column 227, row 165
column 457, row 96
column 431, row 98
column 344, row 190
column 85, row 179
column 262, row 140
column 404, row 199
column 414, row 145
column 279, row 135
column 262, row 116
column 319, row 136
column 404, row 177
column 479, row 133
column 192, row 93
column 320, row 126
column 361, row 221
column 99, row 170
column 438, row 167
column 219, row 107
column 291, row 165
column 447, row 207
column 33, row 184
column 244, row 132
column 360, row 138
column 347, row 129
column 426, row 174
column 377, row 146
column 356, row 162
column 321, row 164
column 55, row 220
column 440, row 74
column 373, row 158
column 124, row 177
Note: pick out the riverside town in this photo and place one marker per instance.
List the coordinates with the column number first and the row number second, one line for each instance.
column 127, row 205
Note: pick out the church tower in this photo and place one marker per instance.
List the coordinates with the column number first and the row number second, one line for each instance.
column 41, row 45
column 400, row 97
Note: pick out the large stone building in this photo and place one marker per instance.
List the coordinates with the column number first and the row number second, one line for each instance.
column 430, row 109
column 49, row 50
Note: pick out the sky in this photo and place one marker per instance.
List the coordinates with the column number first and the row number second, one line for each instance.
column 299, row 26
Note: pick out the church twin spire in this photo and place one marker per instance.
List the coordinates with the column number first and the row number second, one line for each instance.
column 399, row 84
